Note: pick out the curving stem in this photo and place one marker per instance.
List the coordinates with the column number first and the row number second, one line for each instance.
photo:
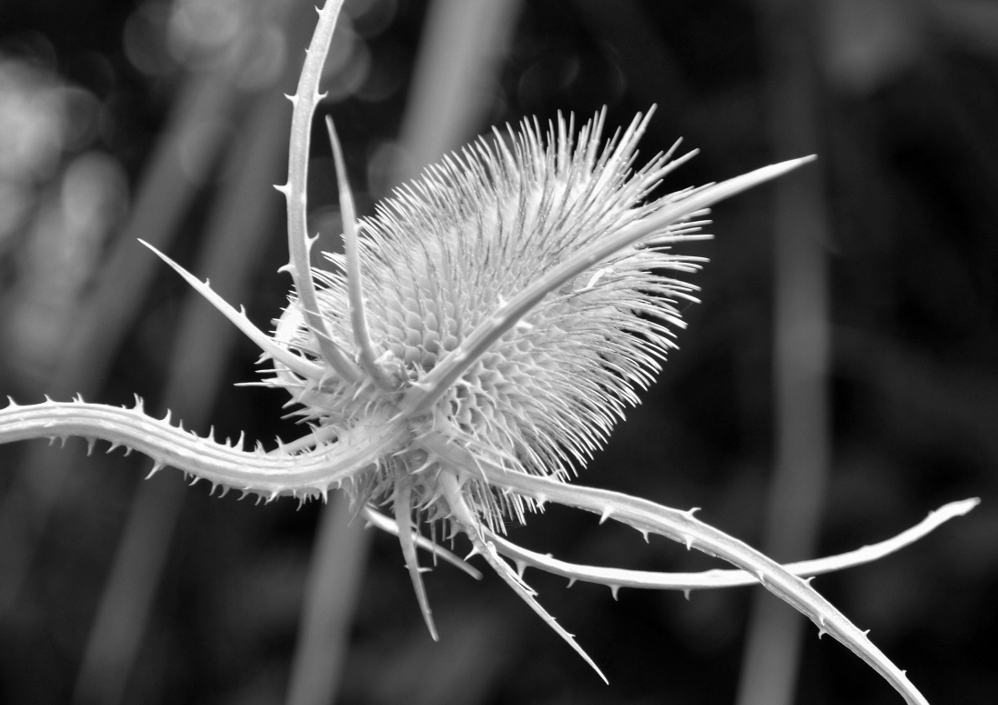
column 304, row 102
column 616, row 578
column 266, row 474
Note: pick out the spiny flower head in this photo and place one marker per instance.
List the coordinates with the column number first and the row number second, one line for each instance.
column 477, row 229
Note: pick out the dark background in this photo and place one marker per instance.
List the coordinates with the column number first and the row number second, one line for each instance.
column 905, row 99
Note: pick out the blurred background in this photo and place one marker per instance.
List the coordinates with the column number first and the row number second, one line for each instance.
column 838, row 381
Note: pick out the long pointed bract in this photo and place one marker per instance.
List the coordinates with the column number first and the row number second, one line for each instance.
column 472, row 528
column 382, row 522
column 436, row 382
column 403, row 518
column 299, row 243
column 355, row 283
column 293, row 362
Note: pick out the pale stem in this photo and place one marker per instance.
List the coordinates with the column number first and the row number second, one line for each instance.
column 648, row 517
column 710, row 579
column 462, row 514
column 229, row 466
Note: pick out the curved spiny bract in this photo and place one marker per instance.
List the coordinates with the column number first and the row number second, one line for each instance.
column 304, row 102
column 648, row 517
column 616, row 578
column 270, row 475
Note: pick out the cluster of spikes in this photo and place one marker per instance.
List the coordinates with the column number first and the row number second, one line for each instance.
column 477, row 343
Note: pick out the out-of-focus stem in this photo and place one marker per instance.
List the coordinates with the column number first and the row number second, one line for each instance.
column 166, row 189
column 338, row 560
column 451, row 91
column 201, row 351
column 801, row 349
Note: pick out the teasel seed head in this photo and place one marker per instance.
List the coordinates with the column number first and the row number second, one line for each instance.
column 446, row 251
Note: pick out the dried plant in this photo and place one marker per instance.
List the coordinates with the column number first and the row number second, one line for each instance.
column 479, row 339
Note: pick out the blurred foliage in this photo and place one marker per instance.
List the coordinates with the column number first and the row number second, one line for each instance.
column 910, row 154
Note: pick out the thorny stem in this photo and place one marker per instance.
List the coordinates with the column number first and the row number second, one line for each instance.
column 420, row 397
column 355, row 288
column 648, row 517
column 304, row 102
column 269, row 475
column 616, row 578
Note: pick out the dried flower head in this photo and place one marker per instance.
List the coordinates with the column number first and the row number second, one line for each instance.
column 474, row 346
column 451, row 249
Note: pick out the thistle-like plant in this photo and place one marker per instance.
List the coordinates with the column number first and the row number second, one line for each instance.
column 476, row 342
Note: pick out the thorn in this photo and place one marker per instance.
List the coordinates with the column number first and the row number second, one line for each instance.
column 614, row 590
column 606, row 514
column 572, row 581
column 686, row 594
column 157, row 466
